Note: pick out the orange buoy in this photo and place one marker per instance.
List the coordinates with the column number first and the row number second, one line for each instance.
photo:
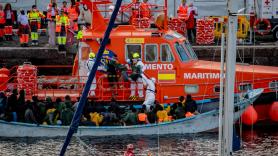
column 273, row 112
column 249, row 116
column 5, row 71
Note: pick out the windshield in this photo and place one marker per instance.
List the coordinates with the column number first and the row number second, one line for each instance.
column 190, row 50
column 181, row 51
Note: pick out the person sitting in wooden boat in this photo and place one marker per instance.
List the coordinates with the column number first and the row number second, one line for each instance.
column 150, row 91
column 131, row 117
column 142, row 117
column 110, row 118
column 182, row 100
column 52, row 115
column 179, row 111
column 67, row 114
column 162, row 115
column 3, row 104
column 29, row 114
column 190, row 106
column 96, row 118
column 152, row 115
column 12, row 105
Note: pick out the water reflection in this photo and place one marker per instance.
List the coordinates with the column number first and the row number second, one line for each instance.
column 256, row 142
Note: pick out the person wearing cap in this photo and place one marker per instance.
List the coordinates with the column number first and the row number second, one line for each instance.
column 129, row 150
column 34, row 18
column 138, row 68
column 150, row 91
column 90, row 63
column 62, row 24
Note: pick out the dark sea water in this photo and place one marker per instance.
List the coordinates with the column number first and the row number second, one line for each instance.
column 255, row 142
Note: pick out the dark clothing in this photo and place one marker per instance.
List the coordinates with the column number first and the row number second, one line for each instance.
column 29, row 116
column 109, row 119
column 3, row 105
column 111, row 72
column 130, row 118
column 66, row 116
column 179, row 113
column 12, row 103
column 190, row 106
column 151, row 116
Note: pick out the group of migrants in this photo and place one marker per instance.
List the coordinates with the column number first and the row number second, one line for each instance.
column 17, row 108
column 60, row 21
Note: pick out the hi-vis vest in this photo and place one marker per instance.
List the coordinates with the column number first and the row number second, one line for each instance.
column 61, row 21
column 73, row 13
column 182, row 12
column 35, row 16
column 2, row 17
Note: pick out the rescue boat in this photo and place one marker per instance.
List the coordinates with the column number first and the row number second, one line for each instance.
column 167, row 55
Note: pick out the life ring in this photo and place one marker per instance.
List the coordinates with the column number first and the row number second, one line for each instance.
column 265, row 31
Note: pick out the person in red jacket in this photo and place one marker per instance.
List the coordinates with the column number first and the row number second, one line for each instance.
column 73, row 13
column 10, row 18
column 2, row 22
column 191, row 23
column 145, row 9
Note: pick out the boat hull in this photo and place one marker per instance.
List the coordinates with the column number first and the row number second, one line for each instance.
column 196, row 124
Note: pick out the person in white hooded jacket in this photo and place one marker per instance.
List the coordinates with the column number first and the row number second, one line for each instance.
column 150, row 91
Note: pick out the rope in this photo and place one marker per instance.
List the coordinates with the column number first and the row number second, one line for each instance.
column 207, row 82
column 87, row 148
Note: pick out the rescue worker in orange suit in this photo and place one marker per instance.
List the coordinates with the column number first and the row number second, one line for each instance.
column 34, row 19
column 191, row 23
column 52, row 12
column 135, row 11
column 62, row 24
column 24, row 28
column 65, row 7
column 182, row 11
column 145, row 9
column 2, row 22
column 73, row 13
column 10, row 19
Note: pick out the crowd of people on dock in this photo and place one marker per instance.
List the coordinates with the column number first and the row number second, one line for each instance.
column 16, row 108
column 65, row 23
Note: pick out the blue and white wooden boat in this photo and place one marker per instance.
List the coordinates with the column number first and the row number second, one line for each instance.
column 203, row 122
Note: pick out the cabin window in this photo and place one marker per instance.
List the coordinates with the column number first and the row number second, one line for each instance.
column 151, row 53
column 166, row 54
column 216, row 89
column 191, row 89
column 245, row 87
column 182, row 53
column 273, row 85
column 190, row 50
column 130, row 49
